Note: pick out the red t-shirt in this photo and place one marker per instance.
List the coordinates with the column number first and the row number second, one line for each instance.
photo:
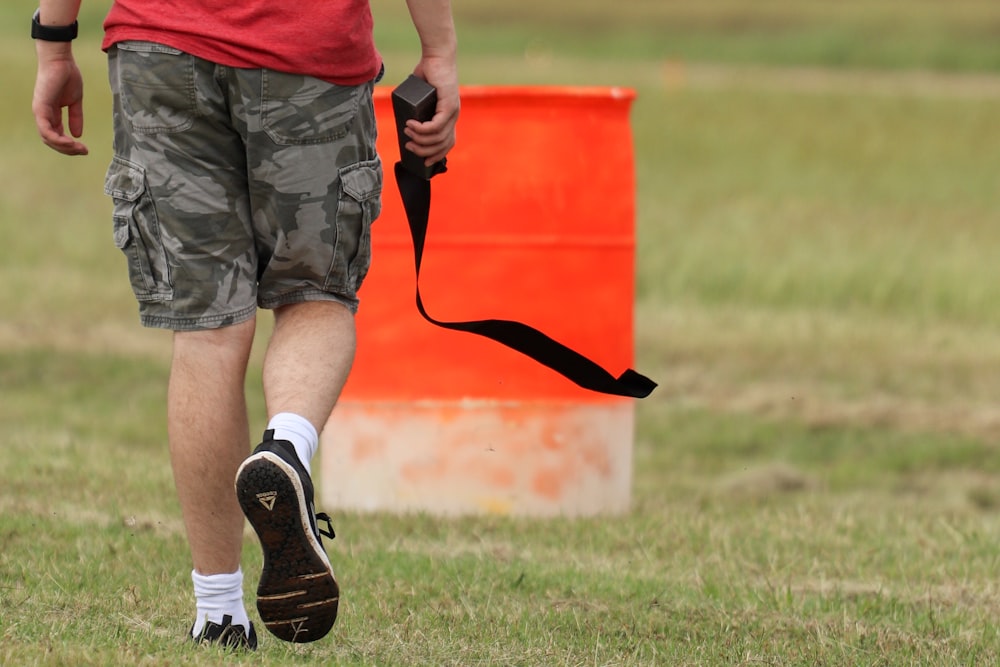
column 327, row 39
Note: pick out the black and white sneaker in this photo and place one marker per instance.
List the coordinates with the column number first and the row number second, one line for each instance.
column 227, row 635
column 298, row 594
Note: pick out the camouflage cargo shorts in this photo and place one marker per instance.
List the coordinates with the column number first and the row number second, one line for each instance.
column 235, row 189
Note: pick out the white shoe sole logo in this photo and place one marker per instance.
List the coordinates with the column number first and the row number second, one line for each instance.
column 267, row 499
column 297, row 626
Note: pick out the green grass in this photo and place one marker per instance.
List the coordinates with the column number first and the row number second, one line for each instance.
column 899, row 190
column 816, row 479
column 750, row 537
column 898, row 34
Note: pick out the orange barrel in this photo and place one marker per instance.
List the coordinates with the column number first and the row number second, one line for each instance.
column 534, row 221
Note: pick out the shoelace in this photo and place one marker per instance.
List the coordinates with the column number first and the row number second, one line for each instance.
column 325, row 518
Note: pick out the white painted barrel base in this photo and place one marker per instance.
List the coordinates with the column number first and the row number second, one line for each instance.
column 478, row 457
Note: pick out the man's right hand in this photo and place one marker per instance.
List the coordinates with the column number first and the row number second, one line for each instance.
column 58, row 85
column 433, row 139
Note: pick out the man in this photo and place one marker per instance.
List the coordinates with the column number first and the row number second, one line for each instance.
column 245, row 176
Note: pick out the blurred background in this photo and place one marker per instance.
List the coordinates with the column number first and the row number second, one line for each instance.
column 818, row 294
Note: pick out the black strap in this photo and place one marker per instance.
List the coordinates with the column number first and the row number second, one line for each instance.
column 416, row 194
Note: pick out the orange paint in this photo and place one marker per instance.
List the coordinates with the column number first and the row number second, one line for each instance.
column 499, row 477
column 549, row 482
column 533, row 222
column 596, row 459
column 368, row 448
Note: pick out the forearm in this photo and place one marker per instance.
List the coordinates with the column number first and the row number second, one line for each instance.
column 58, row 83
column 435, row 27
column 56, row 13
column 433, row 139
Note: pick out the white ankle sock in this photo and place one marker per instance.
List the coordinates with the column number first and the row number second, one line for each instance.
column 298, row 431
column 218, row 595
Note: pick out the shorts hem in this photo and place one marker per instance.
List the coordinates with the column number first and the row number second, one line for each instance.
column 197, row 323
column 309, row 295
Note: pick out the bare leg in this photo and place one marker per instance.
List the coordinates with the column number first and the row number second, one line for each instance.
column 209, row 438
column 308, row 359
column 306, row 365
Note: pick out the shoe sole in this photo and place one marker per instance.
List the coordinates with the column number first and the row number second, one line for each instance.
column 297, row 596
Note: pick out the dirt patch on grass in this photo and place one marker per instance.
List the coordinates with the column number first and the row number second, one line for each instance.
column 812, row 405
column 765, row 481
column 984, row 598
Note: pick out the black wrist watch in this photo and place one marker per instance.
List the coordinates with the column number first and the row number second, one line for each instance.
column 52, row 33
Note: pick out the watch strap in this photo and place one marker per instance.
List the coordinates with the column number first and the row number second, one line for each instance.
column 53, row 33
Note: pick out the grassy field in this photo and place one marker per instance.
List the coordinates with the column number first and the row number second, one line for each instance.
column 817, row 478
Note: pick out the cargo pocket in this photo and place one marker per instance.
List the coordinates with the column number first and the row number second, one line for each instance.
column 137, row 231
column 359, row 206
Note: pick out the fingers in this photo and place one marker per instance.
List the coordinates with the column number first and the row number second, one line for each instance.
column 67, row 146
column 59, row 87
column 52, row 133
column 76, row 120
column 433, row 139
